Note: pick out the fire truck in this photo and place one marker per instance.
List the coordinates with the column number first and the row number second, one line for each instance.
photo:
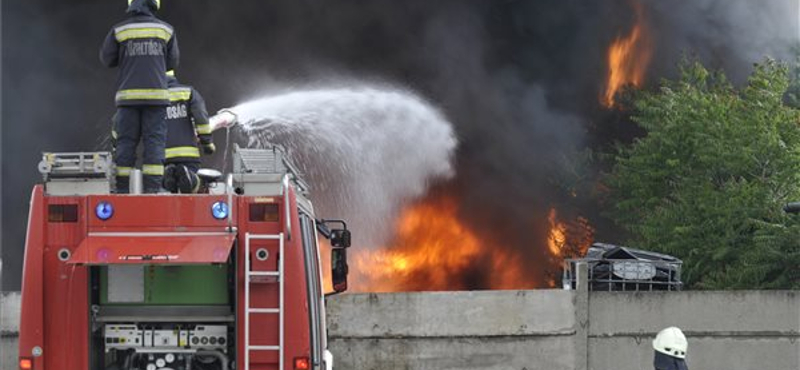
column 230, row 278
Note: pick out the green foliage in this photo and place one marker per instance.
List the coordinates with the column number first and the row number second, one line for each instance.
column 708, row 181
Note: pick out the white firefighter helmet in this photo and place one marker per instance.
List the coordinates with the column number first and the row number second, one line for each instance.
column 157, row 2
column 671, row 342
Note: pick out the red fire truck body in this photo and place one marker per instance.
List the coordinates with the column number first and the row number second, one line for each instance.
column 221, row 280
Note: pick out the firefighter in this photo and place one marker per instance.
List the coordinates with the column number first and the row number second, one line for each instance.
column 670, row 348
column 144, row 48
column 187, row 125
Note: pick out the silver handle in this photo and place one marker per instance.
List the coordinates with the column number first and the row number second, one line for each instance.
column 287, row 210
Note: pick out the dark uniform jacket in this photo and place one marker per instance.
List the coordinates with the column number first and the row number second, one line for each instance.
column 144, row 48
column 187, row 122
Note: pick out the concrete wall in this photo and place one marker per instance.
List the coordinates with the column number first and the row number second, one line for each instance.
column 453, row 330
column 726, row 330
column 542, row 329
column 546, row 329
column 9, row 329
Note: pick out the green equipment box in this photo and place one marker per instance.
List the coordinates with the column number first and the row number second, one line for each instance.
column 164, row 285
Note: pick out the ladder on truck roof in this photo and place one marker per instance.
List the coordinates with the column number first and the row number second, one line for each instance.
column 279, row 278
column 272, row 160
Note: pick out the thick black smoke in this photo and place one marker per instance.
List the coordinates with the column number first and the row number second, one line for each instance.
column 521, row 80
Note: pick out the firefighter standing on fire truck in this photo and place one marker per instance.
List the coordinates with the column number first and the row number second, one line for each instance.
column 187, row 124
column 144, row 48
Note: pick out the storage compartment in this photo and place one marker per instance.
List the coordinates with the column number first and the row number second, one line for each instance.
column 172, row 317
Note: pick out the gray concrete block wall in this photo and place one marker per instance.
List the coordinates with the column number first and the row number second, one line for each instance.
column 532, row 329
column 705, row 353
column 9, row 329
column 460, row 353
column 726, row 329
column 768, row 312
column 732, row 330
column 542, row 329
column 451, row 314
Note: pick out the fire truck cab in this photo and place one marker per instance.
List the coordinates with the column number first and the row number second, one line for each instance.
column 227, row 279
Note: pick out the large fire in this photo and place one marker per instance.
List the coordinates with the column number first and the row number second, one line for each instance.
column 628, row 57
column 434, row 251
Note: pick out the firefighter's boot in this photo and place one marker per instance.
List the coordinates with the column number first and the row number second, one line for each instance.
column 170, row 180
column 188, row 181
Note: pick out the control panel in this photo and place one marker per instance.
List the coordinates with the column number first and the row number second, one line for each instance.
column 212, row 336
column 142, row 339
column 123, row 337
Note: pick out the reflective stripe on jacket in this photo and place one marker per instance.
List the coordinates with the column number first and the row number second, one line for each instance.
column 187, row 123
column 144, row 48
column 143, row 30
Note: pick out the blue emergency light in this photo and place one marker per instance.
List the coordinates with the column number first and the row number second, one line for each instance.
column 104, row 210
column 219, row 210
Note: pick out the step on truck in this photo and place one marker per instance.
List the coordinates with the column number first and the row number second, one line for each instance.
column 230, row 278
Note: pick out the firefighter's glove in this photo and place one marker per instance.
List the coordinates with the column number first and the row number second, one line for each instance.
column 209, row 148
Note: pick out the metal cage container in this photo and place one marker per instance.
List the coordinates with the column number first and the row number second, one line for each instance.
column 617, row 268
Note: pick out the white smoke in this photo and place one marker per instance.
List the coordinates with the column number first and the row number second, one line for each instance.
column 364, row 150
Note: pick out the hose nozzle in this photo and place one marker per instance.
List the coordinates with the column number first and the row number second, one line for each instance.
column 223, row 119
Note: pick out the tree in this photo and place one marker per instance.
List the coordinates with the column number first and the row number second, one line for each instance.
column 708, row 180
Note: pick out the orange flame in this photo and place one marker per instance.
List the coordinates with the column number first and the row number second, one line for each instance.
column 628, row 58
column 568, row 239
column 434, row 251
column 558, row 234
